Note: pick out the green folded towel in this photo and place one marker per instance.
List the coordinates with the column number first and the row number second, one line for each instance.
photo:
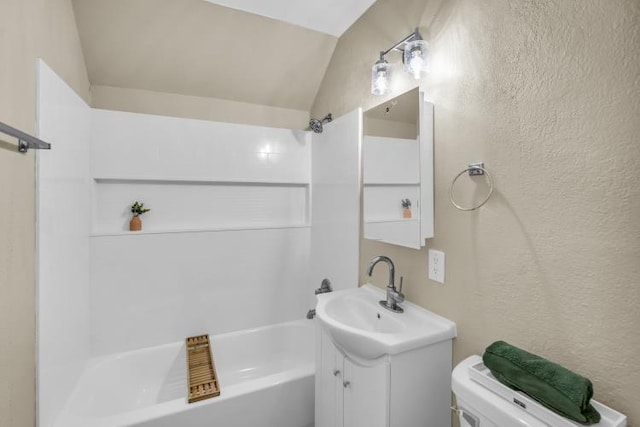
column 555, row 387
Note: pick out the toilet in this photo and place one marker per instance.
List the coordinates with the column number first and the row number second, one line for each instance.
column 482, row 401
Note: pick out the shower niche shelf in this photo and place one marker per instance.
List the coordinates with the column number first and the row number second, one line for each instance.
column 188, row 204
column 194, row 180
column 108, row 233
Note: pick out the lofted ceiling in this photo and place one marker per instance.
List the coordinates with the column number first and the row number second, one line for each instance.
column 195, row 47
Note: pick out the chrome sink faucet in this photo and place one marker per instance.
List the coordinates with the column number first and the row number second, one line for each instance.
column 394, row 296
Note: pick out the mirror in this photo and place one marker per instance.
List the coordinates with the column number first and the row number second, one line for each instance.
column 397, row 162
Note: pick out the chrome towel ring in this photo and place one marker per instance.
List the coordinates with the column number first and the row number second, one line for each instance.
column 474, row 170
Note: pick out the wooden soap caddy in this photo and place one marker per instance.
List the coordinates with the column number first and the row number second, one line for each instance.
column 202, row 380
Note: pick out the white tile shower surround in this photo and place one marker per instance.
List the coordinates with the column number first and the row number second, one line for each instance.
column 63, row 200
column 153, row 289
column 335, row 218
column 130, row 145
column 197, row 175
column 195, row 266
column 240, row 261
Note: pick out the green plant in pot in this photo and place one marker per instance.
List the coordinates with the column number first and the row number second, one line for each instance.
column 406, row 204
column 137, row 209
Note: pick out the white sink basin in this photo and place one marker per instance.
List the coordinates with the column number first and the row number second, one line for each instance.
column 357, row 323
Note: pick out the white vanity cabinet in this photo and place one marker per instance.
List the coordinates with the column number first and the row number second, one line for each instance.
column 406, row 389
column 349, row 394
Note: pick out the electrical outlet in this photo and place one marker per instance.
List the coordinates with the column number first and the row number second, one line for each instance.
column 436, row 265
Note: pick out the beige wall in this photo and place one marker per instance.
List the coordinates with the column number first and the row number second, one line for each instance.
column 28, row 29
column 195, row 107
column 389, row 129
column 546, row 93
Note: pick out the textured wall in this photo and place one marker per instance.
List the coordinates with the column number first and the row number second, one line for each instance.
column 28, row 29
column 547, row 93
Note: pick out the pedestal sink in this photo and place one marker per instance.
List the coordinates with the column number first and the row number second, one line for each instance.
column 359, row 326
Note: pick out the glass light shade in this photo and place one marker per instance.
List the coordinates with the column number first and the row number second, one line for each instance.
column 416, row 56
column 381, row 78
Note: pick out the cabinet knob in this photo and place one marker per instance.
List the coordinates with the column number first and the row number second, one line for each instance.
column 336, row 372
column 346, row 384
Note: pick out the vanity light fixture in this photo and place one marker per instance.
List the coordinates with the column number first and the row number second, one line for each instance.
column 415, row 58
column 381, row 77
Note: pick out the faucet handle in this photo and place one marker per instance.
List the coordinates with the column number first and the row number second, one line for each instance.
column 398, row 296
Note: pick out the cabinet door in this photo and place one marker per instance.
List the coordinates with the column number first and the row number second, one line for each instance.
column 328, row 411
column 366, row 395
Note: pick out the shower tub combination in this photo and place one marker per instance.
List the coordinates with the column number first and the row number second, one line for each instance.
column 266, row 378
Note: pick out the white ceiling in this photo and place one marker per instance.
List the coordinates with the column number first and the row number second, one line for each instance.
column 331, row 17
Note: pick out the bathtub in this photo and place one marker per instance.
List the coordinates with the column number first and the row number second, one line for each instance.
column 266, row 378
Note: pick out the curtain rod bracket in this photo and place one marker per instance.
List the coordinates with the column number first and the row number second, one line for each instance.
column 23, row 146
column 25, row 141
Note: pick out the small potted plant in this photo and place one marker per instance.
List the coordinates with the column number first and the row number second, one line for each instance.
column 406, row 204
column 137, row 209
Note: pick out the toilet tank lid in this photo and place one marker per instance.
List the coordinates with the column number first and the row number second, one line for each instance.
column 471, row 372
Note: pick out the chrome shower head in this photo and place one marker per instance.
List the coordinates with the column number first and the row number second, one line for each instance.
column 316, row 125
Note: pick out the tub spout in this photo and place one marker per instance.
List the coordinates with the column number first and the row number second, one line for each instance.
column 325, row 287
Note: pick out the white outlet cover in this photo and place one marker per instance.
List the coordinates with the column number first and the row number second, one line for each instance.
column 436, row 265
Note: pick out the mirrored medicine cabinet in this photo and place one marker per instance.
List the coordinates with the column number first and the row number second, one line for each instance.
column 397, row 161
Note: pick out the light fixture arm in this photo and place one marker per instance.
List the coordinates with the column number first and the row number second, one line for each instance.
column 411, row 37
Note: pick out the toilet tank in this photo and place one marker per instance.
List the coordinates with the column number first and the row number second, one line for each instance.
column 479, row 406
column 481, row 400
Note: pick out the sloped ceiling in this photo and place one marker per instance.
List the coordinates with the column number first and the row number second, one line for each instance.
column 193, row 47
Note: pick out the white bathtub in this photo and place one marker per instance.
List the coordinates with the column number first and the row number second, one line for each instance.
column 266, row 379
